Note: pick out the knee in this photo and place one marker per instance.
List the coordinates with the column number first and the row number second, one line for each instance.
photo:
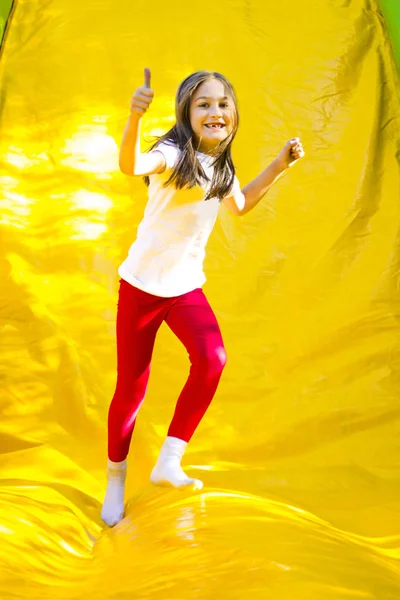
column 211, row 362
column 220, row 357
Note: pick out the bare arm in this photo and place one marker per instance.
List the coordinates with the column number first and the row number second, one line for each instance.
column 240, row 203
column 131, row 160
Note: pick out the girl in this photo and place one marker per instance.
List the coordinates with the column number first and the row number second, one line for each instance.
column 189, row 173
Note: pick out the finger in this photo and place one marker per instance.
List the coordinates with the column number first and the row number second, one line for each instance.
column 143, row 95
column 138, row 103
column 147, row 78
column 145, row 102
column 146, row 92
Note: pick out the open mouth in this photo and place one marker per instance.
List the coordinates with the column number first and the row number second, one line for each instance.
column 215, row 125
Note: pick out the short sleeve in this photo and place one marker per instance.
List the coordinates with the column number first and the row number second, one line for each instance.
column 170, row 152
column 237, row 194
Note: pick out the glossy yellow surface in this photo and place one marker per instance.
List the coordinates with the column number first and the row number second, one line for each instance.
column 299, row 451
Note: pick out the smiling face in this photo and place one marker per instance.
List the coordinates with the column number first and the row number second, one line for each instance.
column 212, row 115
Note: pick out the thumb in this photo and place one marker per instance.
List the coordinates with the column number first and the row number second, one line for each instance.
column 147, row 78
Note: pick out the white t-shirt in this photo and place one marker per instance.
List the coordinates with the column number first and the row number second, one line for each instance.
column 167, row 256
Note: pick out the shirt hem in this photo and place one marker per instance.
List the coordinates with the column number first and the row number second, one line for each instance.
column 129, row 278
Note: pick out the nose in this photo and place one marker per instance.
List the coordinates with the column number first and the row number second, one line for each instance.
column 215, row 110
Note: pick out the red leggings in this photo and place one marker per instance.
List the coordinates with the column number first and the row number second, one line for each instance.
column 139, row 317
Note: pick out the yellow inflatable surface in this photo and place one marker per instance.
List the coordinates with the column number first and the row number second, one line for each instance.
column 299, row 451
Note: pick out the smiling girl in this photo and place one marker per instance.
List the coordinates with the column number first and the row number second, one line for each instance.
column 189, row 172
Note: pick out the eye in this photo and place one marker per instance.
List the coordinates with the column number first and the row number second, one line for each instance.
column 224, row 104
column 203, row 105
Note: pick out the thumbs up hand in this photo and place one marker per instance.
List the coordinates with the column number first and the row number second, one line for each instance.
column 143, row 97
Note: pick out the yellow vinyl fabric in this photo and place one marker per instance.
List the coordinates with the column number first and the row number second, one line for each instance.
column 300, row 449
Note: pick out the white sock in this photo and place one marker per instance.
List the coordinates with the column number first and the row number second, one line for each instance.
column 113, row 507
column 168, row 470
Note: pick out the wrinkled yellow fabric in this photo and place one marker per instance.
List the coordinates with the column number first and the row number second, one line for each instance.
column 299, row 451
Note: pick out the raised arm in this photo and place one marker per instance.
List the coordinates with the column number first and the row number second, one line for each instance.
column 242, row 202
column 131, row 160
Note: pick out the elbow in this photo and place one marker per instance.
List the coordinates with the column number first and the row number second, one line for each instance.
column 124, row 169
column 241, row 210
column 242, row 207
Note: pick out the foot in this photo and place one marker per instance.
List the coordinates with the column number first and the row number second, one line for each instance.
column 112, row 511
column 170, row 473
column 168, row 470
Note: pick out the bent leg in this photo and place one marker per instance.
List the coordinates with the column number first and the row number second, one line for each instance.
column 194, row 323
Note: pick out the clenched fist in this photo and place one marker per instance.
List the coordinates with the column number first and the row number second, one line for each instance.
column 143, row 97
column 291, row 153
